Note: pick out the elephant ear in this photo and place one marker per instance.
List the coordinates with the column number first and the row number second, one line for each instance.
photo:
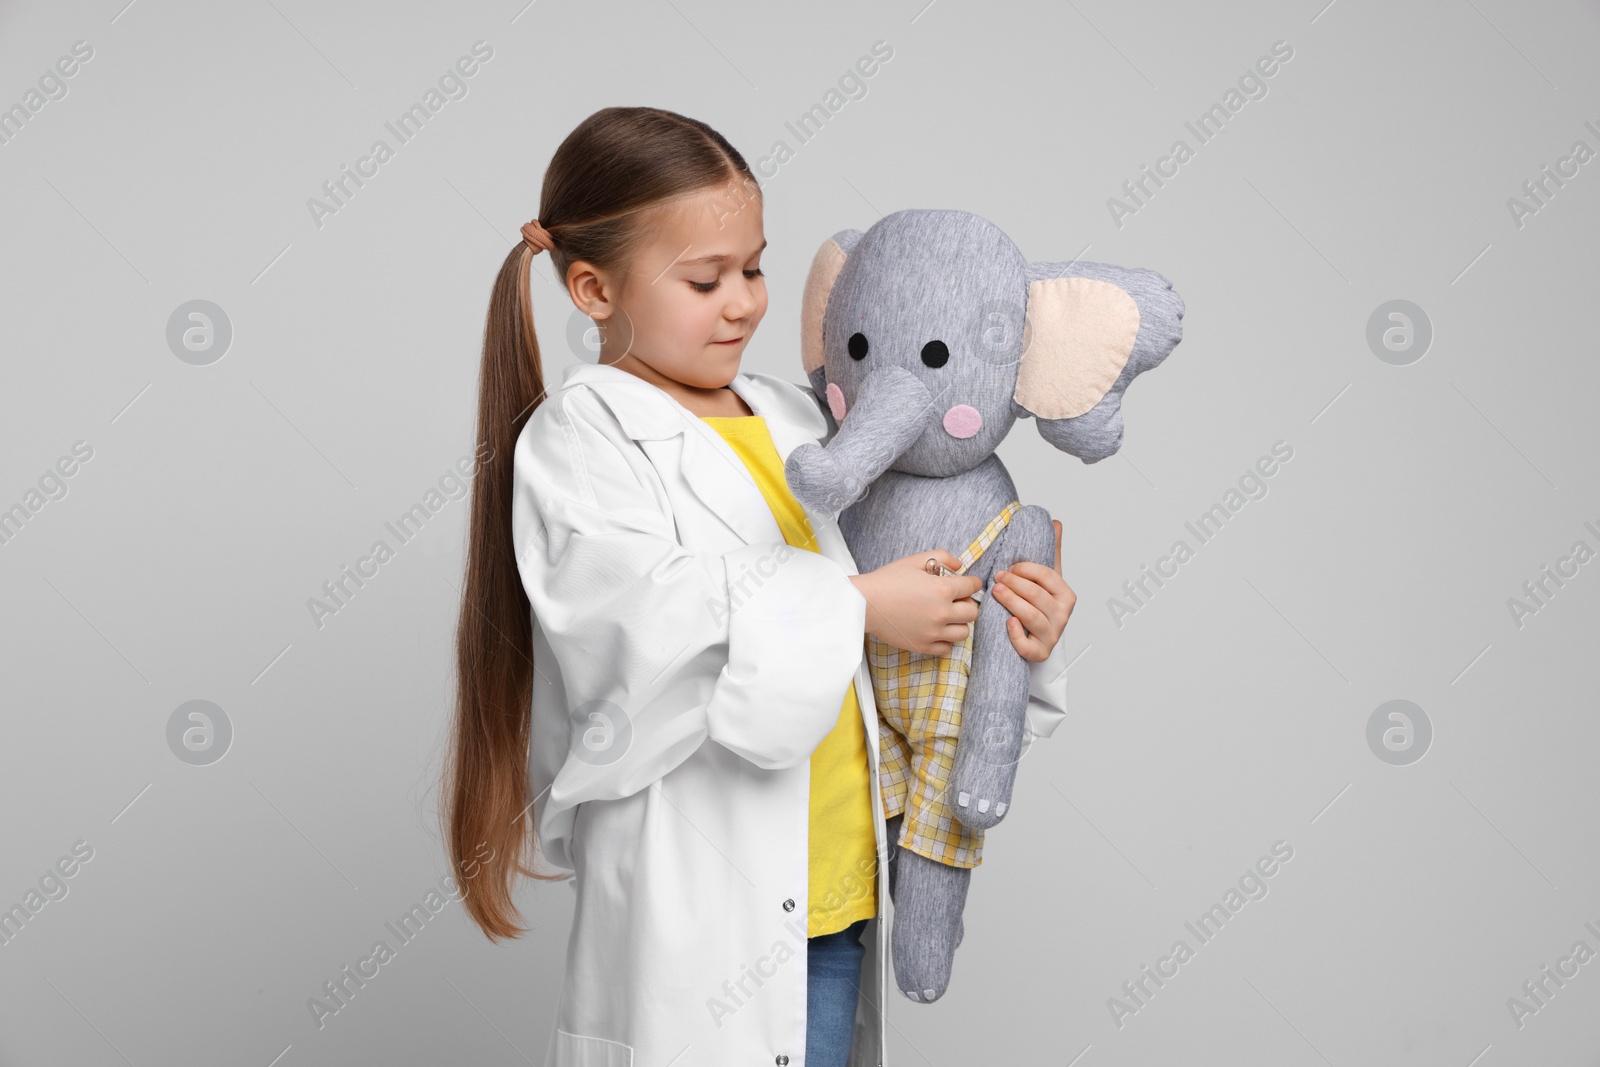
column 1091, row 329
column 825, row 268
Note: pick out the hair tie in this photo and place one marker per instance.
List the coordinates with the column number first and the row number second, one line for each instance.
column 537, row 237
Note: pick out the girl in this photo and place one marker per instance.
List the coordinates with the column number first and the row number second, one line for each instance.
column 661, row 653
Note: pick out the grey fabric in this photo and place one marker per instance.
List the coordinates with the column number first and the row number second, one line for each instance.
column 929, row 898
column 901, row 480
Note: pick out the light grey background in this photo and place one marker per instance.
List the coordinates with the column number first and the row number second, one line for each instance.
column 1229, row 713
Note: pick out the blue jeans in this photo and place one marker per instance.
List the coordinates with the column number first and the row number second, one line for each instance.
column 832, row 986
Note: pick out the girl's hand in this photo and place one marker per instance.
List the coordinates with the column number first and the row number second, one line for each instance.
column 909, row 608
column 1040, row 602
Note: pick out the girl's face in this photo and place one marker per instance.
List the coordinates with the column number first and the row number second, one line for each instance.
column 683, row 311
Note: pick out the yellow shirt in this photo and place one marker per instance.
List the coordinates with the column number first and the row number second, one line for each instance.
column 843, row 884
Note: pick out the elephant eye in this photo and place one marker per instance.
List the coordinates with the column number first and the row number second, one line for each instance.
column 858, row 346
column 935, row 354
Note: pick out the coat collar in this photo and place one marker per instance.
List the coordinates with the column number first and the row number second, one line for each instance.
column 716, row 474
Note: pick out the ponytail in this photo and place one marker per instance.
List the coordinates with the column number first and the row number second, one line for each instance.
column 487, row 814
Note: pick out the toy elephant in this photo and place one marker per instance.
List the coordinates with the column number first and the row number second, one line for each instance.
column 925, row 338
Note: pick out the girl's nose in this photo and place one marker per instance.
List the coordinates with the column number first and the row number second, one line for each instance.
column 741, row 304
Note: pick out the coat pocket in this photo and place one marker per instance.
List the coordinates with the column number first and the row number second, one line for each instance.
column 575, row 1050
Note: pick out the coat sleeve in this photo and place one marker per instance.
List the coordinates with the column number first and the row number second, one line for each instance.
column 1047, row 692
column 661, row 647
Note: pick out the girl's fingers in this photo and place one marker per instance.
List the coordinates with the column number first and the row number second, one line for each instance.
column 1025, row 596
column 1031, row 591
column 1046, row 577
column 1028, row 647
column 1029, row 612
column 1048, row 588
column 955, row 634
column 1027, row 590
column 1034, row 638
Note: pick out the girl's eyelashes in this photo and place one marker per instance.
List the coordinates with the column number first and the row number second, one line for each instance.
column 706, row 287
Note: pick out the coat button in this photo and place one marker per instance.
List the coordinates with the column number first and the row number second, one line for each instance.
column 788, row 905
column 782, row 1060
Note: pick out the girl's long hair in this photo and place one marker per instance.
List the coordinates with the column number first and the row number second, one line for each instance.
column 602, row 182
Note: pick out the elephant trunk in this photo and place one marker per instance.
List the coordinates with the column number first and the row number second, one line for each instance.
column 892, row 409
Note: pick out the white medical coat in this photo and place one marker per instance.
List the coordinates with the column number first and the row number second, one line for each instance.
column 687, row 663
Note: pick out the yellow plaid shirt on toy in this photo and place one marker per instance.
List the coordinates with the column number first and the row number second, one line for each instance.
column 919, row 722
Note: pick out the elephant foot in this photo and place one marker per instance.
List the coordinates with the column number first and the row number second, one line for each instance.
column 929, row 899
column 985, row 770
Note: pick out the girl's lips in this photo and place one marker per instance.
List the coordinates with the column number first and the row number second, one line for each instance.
column 730, row 341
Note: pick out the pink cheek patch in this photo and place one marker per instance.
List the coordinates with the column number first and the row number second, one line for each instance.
column 962, row 421
column 836, row 401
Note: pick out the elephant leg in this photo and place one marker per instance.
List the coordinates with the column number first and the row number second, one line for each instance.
column 892, row 835
column 917, row 742
column 929, row 898
column 994, row 713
